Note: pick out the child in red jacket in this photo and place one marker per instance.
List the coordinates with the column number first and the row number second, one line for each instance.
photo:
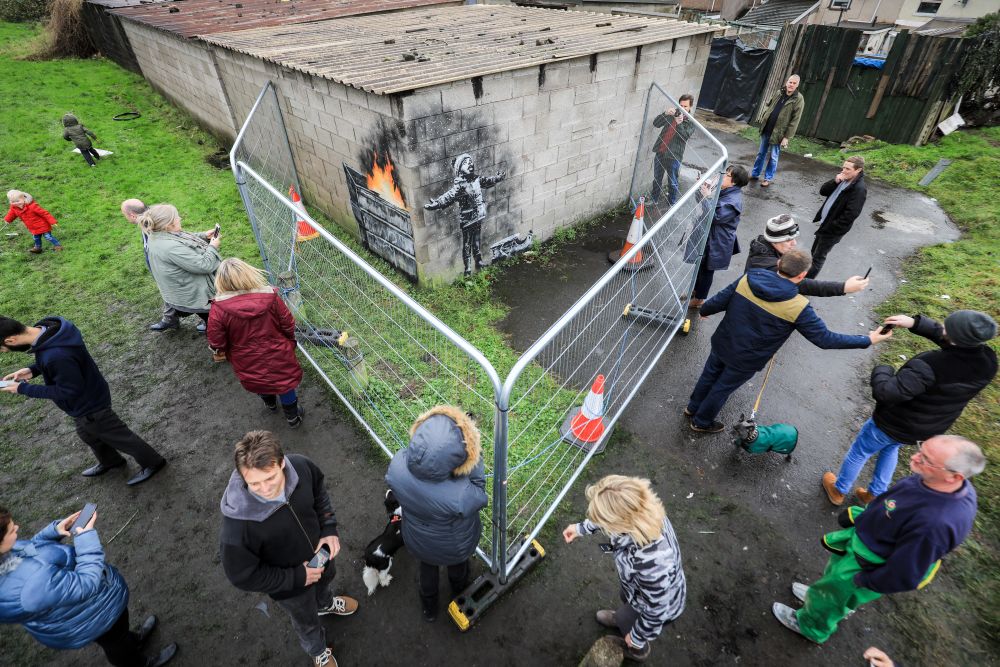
column 38, row 221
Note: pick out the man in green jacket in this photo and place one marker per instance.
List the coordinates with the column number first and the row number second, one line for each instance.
column 781, row 120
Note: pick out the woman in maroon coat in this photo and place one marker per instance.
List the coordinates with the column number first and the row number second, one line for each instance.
column 252, row 327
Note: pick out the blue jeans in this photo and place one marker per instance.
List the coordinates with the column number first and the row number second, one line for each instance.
column 871, row 440
column 762, row 154
column 48, row 237
column 665, row 165
column 716, row 384
column 287, row 398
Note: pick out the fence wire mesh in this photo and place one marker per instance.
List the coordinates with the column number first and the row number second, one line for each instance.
column 618, row 329
column 396, row 360
column 399, row 360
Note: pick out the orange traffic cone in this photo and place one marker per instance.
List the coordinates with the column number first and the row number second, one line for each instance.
column 638, row 261
column 305, row 231
column 585, row 425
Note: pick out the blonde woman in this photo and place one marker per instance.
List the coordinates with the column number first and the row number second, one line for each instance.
column 647, row 556
column 183, row 265
column 251, row 325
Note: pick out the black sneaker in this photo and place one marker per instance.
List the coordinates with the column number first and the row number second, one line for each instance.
column 716, row 427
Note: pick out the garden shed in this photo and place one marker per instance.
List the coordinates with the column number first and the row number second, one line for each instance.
column 163, row 38
column 545, row 106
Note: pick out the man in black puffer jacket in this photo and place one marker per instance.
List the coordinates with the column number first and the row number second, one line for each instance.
column 277, row 515
column 922, row 399
column 779, row 237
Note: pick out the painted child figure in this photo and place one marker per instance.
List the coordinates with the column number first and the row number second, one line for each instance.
column 80, row 136
column 467, row 190
column 38, row 221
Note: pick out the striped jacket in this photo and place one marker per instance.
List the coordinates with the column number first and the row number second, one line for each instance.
column 652, row 579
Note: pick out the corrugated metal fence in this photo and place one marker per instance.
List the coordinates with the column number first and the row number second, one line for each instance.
column 900, row 103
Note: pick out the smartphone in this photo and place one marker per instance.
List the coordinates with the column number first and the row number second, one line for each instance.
column 887, row 328
column 7, row 383
column 86, row 514
column 321, row 558
column 217, row 229
column 606, row 547
column 864, row 276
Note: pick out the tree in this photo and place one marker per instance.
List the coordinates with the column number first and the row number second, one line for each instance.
column 981, row 69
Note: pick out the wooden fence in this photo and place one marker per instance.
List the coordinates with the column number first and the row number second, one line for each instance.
column 900, row 103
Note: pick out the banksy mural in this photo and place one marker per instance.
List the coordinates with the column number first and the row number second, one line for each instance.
column 378, row 204
column 467, row 192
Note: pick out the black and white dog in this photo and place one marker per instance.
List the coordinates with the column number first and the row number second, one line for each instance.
column 379, row 552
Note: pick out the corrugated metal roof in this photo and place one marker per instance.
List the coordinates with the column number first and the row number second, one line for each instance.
column 421, row 48
column 114, row 4
column 190, row 18
column 776, row 13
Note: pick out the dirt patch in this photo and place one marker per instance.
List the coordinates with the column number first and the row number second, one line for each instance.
column 219, row 160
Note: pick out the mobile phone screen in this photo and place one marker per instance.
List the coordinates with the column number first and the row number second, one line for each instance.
column 85, row 515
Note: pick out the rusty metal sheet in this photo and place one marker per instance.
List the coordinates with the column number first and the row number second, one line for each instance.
column 190, row 18
column 420, row 48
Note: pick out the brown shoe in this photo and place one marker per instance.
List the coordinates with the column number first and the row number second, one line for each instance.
column 695, row 304
column 35, row 251
column 863, row 495
column 606, row 617
column 57, row 248
column 765, row 183
column 829, row 485
column 341, row 606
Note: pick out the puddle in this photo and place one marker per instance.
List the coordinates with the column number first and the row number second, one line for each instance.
column 884, row 219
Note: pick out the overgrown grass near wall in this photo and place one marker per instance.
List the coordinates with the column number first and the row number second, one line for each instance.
column 968, row 273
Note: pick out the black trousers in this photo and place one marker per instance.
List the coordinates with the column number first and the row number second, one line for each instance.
column 121, row 645
column 90, row 154
column 107, row 435
column 178, row 312
column 822, row 245
column 458, row 575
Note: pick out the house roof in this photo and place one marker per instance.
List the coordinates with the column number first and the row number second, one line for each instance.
column 189, row 18
column 866, row 26
column 776, row 13
column 425, row 47
column 944, row 26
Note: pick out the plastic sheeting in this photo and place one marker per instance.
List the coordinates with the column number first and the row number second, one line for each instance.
column 734, row 78
column 877, row 63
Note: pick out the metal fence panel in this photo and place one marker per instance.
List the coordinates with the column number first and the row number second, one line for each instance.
column 397, row 360
column 618, row 329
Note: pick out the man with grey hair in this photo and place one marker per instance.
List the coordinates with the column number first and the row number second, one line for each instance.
column 132, row 209
column 781, row 120
column 896, row 543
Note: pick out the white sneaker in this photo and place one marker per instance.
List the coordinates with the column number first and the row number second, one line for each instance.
column 325, row 659
column 800, row 591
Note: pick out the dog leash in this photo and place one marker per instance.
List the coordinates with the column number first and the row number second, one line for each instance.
column 767, row 374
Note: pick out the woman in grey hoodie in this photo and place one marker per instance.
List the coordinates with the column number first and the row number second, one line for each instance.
column 81, row 137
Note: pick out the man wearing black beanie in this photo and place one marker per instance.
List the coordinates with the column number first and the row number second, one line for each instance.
column 920, row 400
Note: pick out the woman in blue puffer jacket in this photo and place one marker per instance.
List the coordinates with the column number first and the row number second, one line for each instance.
column 67, row 597
column 439, row 483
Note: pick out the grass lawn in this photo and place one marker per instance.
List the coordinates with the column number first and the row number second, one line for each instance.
column 968, row 272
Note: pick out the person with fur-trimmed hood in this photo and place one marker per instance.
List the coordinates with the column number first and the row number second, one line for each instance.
column 440, row 485
column 467, row 190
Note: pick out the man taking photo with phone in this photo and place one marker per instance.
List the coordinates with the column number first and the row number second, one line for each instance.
column 277, row 515
column 922, row 399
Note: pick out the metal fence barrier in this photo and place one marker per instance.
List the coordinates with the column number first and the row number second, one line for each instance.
column 388, row 359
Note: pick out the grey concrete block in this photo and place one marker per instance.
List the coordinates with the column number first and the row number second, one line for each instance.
column 556, row 76
column 497, row 88
column 544, row 158
column 478, row 116
column 439, row 125
column 524, row 82
column 462, row 142
column 568, row 150
column 555, row 171
column 587, row 93
column 521, row 127
column 608, row 69
column 536, row 104
column 560, row 101
column 509, row 110
column 457, row 97
column 422, row 103
column 577, row 163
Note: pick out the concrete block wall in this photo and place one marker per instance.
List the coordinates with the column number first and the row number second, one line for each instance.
column 328, row 124
column 566, row 137
column 182, row 70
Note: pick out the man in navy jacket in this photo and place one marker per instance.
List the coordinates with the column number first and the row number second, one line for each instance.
column 75, row 384
column 897, row 542
column 762, row 310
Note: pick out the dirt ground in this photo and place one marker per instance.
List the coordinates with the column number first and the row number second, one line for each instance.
column 750, row 528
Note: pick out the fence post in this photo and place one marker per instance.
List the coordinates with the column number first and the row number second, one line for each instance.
column 499, row 514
